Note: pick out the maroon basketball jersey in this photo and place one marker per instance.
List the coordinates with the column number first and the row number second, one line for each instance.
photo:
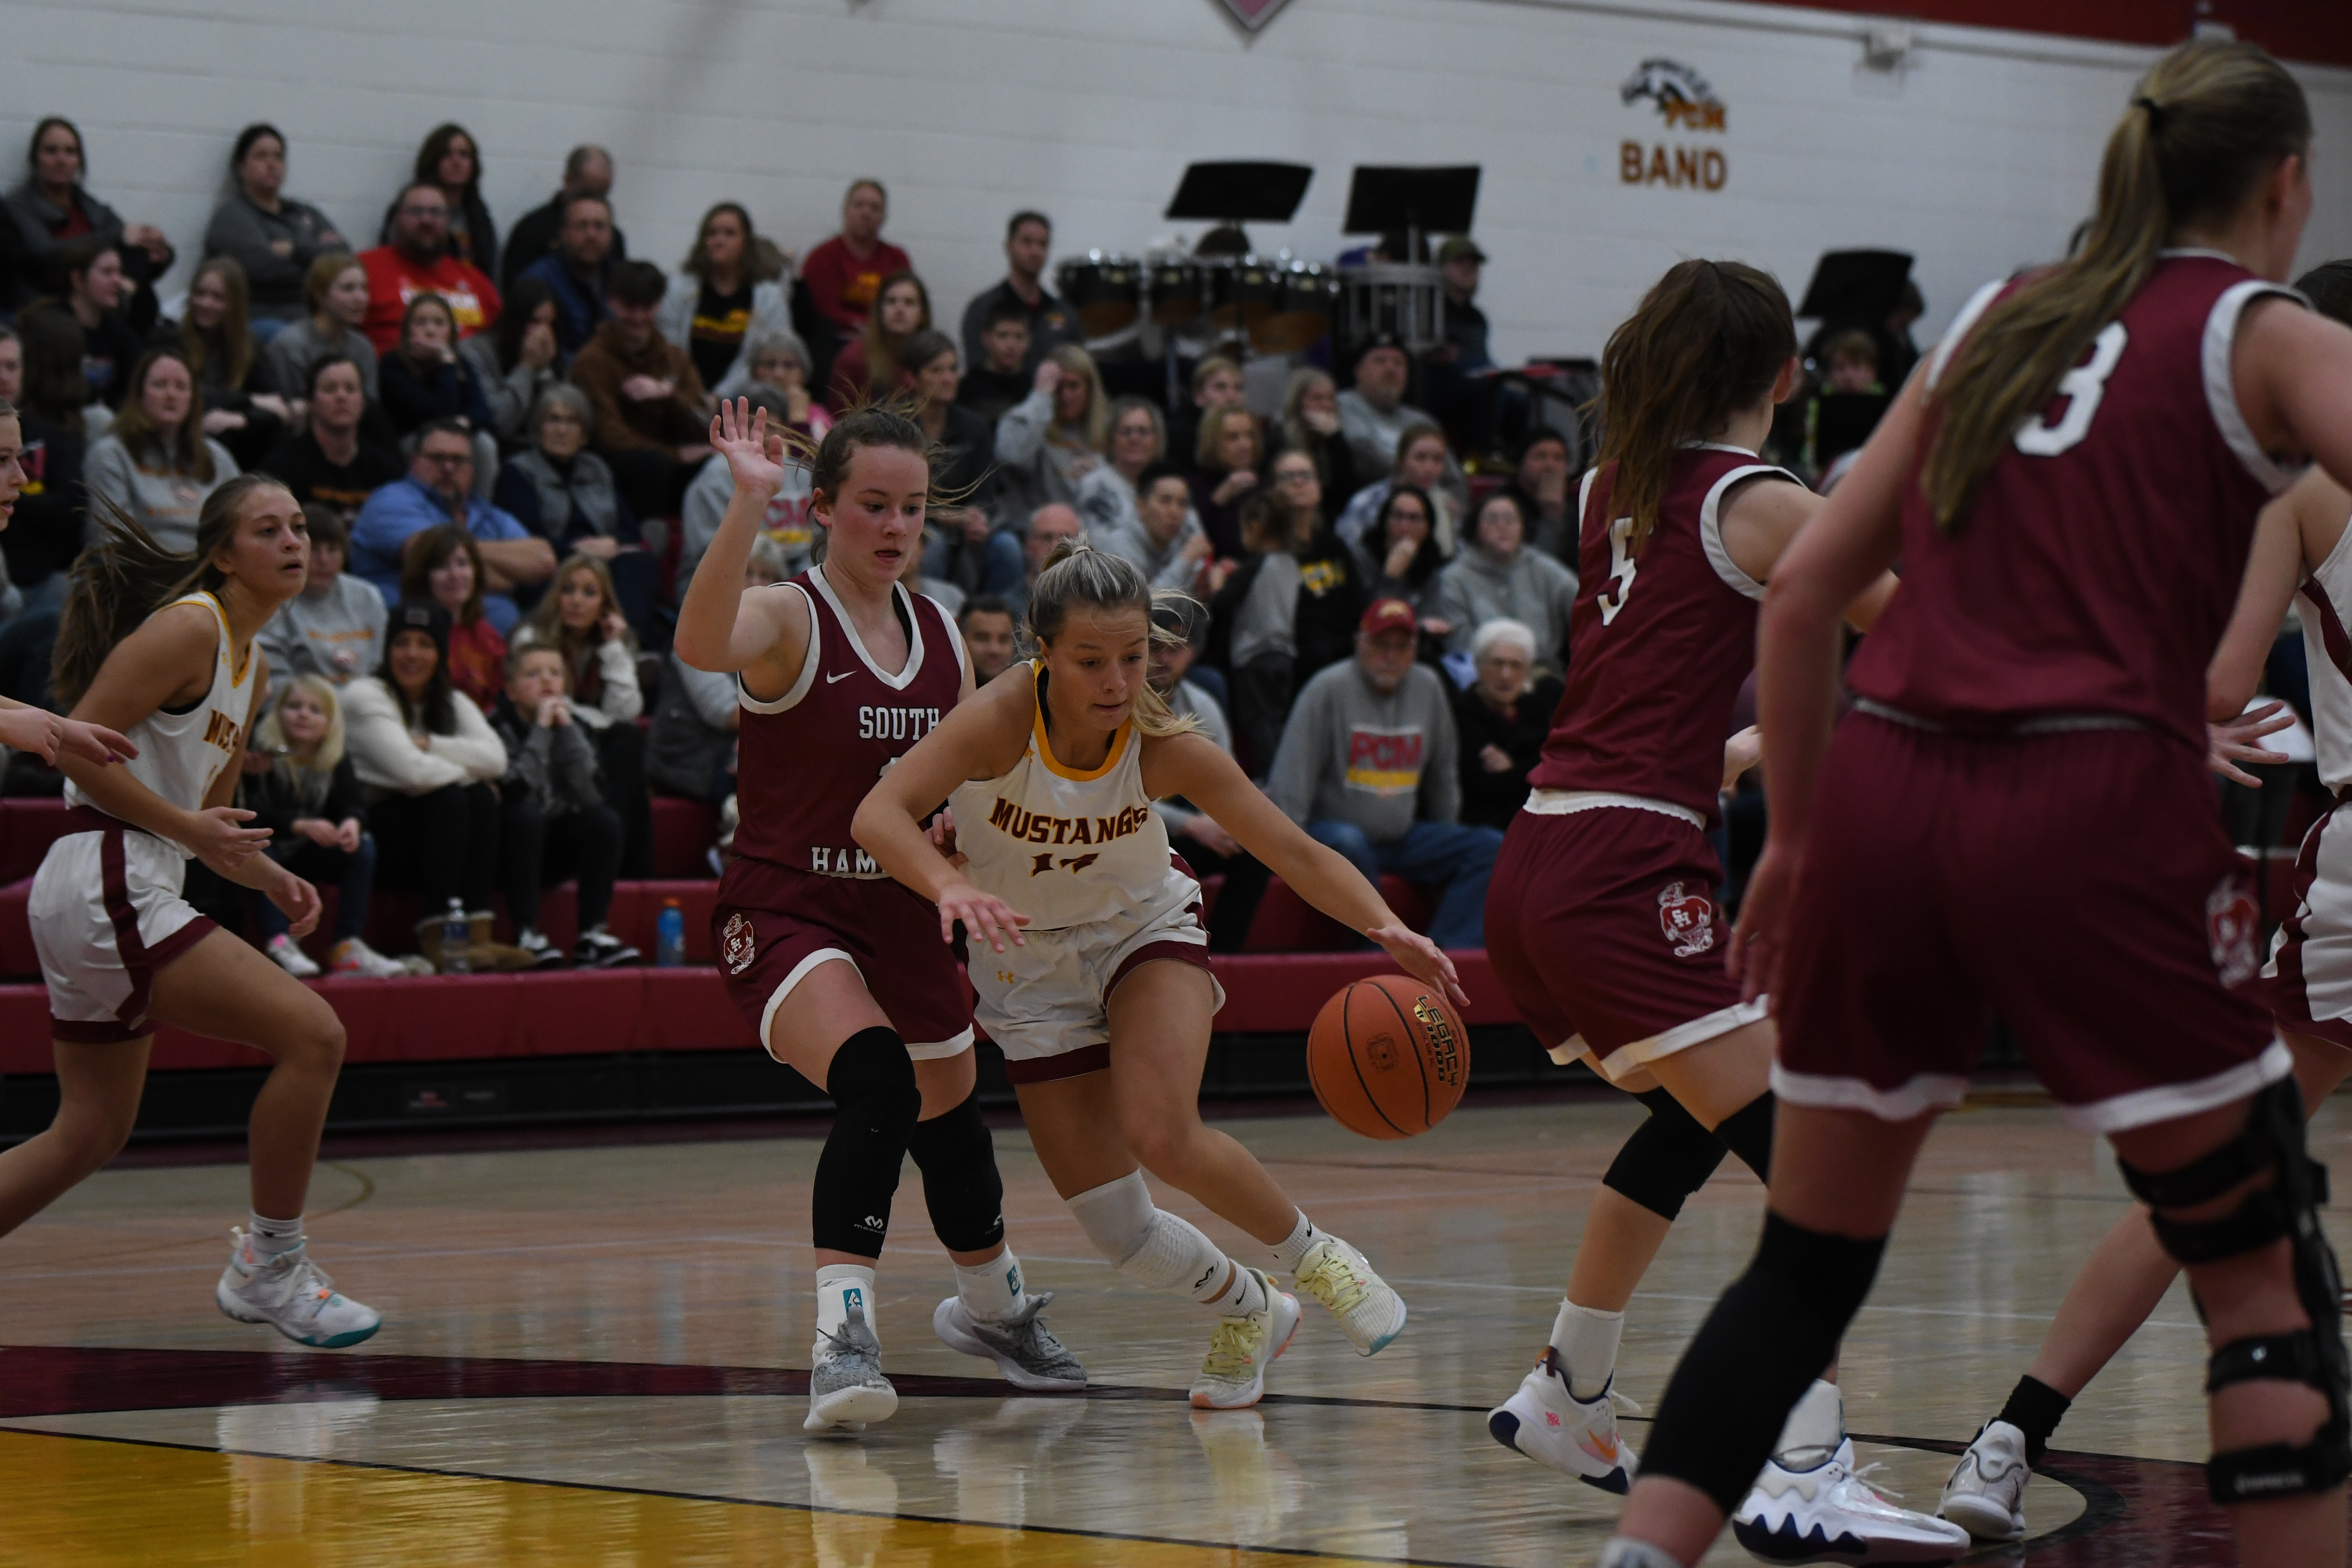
column 806, row 760
column 2099, row 563
column 1659, row 642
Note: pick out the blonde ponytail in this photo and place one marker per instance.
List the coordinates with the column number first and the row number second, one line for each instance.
column 1077, row 576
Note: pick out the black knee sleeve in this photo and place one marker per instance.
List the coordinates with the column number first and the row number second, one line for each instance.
column 875, row 1102
column 1764, row 1343
column 1669, row 1157
column 960, row 1183
column 1748, row 1132
column 2287, row 1210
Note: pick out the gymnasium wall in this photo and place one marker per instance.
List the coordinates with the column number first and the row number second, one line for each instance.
column 1976, row 150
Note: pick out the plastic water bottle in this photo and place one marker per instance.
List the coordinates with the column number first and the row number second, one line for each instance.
column 669, row 936
column 457, row 940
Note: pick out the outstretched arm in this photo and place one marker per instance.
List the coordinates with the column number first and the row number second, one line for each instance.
column 719, row 627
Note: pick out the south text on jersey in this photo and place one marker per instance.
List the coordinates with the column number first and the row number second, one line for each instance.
column 896, row 724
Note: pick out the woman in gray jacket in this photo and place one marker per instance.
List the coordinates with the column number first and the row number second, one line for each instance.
column 274, row 237
column 1496, row 577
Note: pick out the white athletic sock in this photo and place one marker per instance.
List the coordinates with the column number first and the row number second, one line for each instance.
column 1294, row 1246
column 1234, row 1296
column 1587, row 1339
column 838, row 1285
column 991, row 1291
column 1161, row 1251
column 1817, row 1422
column 271, row 1238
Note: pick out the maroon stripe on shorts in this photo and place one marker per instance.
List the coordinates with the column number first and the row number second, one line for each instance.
column 1190, row 952
column 1069, row 1064
column 2288, row 997
column 91, row 1031
column 138, row 961
column 2331, row 630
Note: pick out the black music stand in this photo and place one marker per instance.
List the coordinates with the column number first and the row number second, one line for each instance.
column 1412, row 201
column 1850, row 288
column 1237, row 194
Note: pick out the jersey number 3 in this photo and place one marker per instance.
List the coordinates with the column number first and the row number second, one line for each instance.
column 2082, row 388
column 1622, row 567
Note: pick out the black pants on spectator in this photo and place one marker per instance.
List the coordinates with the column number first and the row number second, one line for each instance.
column 444, row 843
column 621, row 754
column 1262, row 691
column 651, row 480
column 1245, row 879
column 351, row 873
column 536, row 852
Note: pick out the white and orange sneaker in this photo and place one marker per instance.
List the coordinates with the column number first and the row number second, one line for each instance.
column 1550, row 1426
column 1241, row 1347
column 292, row 1295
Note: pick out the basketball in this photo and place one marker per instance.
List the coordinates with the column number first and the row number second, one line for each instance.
column 1387, row 1057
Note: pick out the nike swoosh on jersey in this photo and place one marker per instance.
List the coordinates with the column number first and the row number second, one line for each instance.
column 844, row 675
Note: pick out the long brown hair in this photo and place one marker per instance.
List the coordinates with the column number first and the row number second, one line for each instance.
column 426, row 553
column 126, row 576
column 1708, row 341
column 2205, row 126
column 188, row 450
column 233, row 339
column 883, row 370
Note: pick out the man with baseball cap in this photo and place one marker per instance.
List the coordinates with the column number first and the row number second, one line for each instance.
column 1459, row 261
column 1369, row 765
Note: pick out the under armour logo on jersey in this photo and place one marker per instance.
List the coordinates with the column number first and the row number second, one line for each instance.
column 1041, row 864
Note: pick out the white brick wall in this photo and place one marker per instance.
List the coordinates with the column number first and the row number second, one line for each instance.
column 1979, row 159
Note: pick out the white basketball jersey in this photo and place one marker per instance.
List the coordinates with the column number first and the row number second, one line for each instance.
column 1066, row 847
column 2327, row 597
column 180, row 754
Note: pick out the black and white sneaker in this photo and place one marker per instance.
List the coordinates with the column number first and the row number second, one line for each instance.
column 600, row 949
column 543, row 953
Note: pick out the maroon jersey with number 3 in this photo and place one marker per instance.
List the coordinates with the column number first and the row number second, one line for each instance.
column 2096, row 567
column 1659, row 641
column 806, row 760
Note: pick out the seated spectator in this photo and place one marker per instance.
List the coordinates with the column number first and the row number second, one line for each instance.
column 1369, row 766
column 1028, row 245
column 1139, row 438
column 1849, row 364
column 1460, row 262
column 787, row 525
column 1503, row 717
column 554, row 823
column 652, row 415
column 437, row 490
column 1310, row 424
column 587, row 170
column 967, row 550
column 870, row 368
column 1217, row 383
column 1285, row 613
column 844, row 274
column 333, row 629
column 444, row 566
column 327, row 461
column 1497, row 578
column 1374, row 414
column 690, row 747
column 1048, row 526
column 1002, row 371
column 419, row 260
column 242, row 408
column 335, row 297
column 775, row 357
column 273, row 237
column 424, row 379
column 1055, row 435
column 45, row 532
column 565, row 494
column 579, row 275
column 731, row 282
column 1162, row 538
column 580, row 618
column 920, row 578
column 1547, row 493
column 1211, row 851
column 155, row 465
column 449, row 164
column 518, row 360
column 1227, row 457
column 52, row 209
column 115, row 314
column 991, row 635
column 1399, row 558
column 308, row 797
column 1421, row 462
column 431, row 765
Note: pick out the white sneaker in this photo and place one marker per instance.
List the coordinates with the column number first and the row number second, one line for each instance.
column 1986, row 1496
column 846, row 1388
column 352, row 956
column 290, row 958
column 1550, row 1426
column 542, row 952
column 1022, row 1348
column 1810, row 1505
column 1370, row 1312
column 292, row 1295
column 1232, row 1375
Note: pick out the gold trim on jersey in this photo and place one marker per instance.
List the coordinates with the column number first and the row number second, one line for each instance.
column 1044, row 748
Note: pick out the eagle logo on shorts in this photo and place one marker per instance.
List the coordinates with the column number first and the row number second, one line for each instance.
column 735, row 944
column 1687, row 919
column 2233, row 923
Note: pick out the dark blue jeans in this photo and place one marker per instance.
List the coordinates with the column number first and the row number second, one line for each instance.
column 352, row 874
column 1446, row 855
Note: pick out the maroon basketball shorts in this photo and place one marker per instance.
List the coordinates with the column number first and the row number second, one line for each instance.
column 2310, row 969
column 2076, row 883
column 1602, row 923
column 772, row 926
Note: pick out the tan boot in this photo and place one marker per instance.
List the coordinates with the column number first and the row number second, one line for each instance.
column 486, row 953
column 428, row 941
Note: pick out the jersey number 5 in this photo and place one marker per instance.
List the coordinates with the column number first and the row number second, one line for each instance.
column 2082, row 388
column 1621, row 568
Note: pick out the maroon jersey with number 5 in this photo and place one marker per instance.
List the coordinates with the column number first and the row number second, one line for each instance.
column 1659, row 641
column 807, row 759
column 2096, row 567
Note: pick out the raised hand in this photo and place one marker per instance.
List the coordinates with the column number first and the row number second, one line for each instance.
column 754, row 454
column 1422, row 959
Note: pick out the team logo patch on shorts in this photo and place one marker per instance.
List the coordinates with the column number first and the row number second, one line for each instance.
column 2232, row 925
column 1687, row 919
column 736, row 945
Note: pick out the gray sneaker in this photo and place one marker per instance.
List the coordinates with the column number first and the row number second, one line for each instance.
column 1027, row 1351
column 846, row 1388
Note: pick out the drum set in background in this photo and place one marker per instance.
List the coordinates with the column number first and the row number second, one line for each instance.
column 1253, row 305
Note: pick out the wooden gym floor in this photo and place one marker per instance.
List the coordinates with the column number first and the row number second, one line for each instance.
column 589, row 1358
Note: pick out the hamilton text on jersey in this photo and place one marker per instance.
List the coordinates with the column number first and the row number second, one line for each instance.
column 896, row 724
column 1041, row 829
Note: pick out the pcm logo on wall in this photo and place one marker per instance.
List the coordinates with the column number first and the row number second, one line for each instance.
column 1687, row 104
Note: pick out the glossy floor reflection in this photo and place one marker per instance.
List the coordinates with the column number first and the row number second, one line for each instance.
column 586, row 1360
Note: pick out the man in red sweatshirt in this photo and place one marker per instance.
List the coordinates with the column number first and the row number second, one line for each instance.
column 418, row 261
column 844, row 273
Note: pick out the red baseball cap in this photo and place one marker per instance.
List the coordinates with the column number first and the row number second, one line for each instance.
column 1388, row 615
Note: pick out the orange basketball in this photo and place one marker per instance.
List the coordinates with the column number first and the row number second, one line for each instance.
column 1388, row 1056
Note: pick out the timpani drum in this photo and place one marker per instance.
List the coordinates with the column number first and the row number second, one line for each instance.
column 1306, row 304
column 1105, row 290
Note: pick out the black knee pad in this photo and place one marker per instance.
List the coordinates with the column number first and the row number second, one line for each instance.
column 875, row 1102
column 1669, row 1157
column 2287, row 1210
column 1748, row 1132
column 1761, row 1347
column 960, row 1183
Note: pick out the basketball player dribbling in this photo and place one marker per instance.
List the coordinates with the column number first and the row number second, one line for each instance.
column 1090, row 961
column 841, row 669
column 160, row 648
column 2016, row 813
column 2303, row 547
